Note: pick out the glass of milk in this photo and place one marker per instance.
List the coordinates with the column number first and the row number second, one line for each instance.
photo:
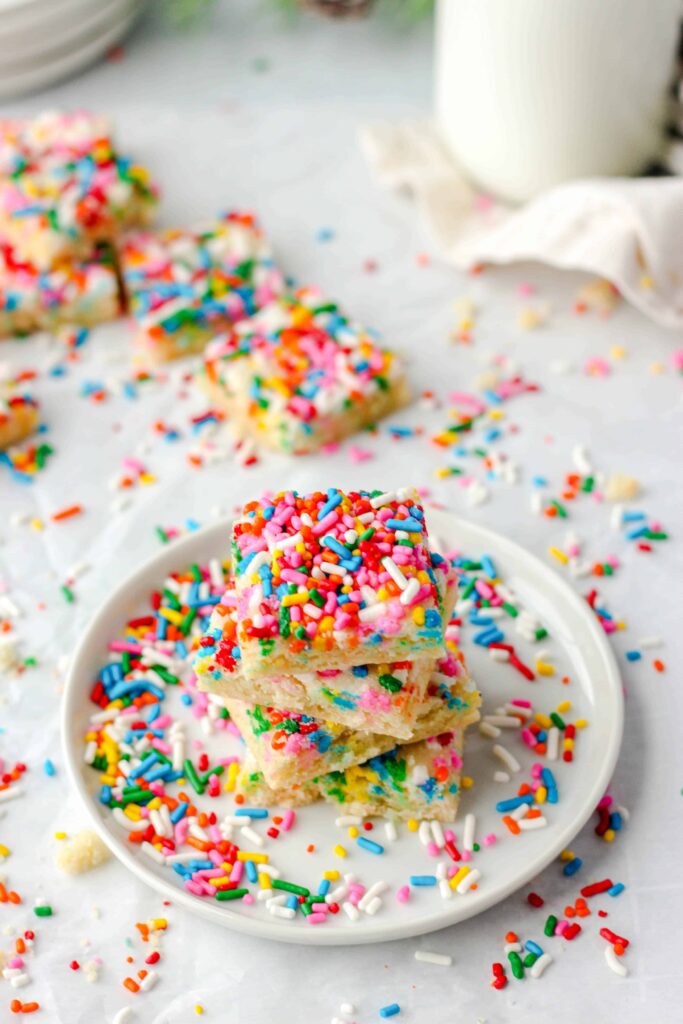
column 531, row 93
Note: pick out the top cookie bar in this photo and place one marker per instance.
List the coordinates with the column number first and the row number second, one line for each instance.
column 332, row 580
column 65, row 189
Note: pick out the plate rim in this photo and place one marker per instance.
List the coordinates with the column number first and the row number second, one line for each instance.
column 375, row 931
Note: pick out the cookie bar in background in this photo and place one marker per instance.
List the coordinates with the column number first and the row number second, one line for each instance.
column 184, row 286
column 300, row 374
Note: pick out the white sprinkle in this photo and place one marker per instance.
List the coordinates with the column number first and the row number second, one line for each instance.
column 540, row 965
column 390, row 831
column 395, row 573
column 332, row 570
column 536, row 502
column 503, row 721
column 350, row 911
column 90, row 752
column 437, row 834
column 553, row 743
column 375, row 890
column 425, row 957
column 486, row 729
column 383, row 499
column 287, row 913
column 501, row 777
column 616, row 518
column 270, row 870
column 149, row 981
column 373, row 906
column 337, row 895
column 237, row 819
column 374, row 611
column 348, row 819
column 504, row 755
column 648, row 642
column 424, row 833
column 153, row 853
column 529, row 824
column 252, row 836
column 468, row 832
column 512, row 947
column 263, row 895
column 347, row 1008
column 498, row 654
column 515, row 709
column 466, row 883
column 445, row 889
column 123, row 1016
column 581, row 460
column 410, row 592
column 614, row 962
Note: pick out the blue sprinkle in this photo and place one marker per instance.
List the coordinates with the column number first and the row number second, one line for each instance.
column 49, row 768
column 423, row 879
column 410, row 525
column 635, row 534
column 185, row 699
column 503, row 806
column 633, row 655
column 615, row 821
column 251, row 812
column 616, row 889
column 179, row 812
column 292, row 902
column 369, row 845
column 105, row 794
column 632, row 517
column 147, row 763
column 533, row 947
column 252, row 873
column 572, row 867
column 390, row 1011
column 324, row 887
column 488, row 566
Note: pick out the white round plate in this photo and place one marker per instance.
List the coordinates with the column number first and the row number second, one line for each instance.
column 577, row 647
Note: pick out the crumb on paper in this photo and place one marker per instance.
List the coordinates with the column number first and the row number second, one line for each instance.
column 83, row 852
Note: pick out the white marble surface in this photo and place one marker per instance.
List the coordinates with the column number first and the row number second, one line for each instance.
column 219, row 133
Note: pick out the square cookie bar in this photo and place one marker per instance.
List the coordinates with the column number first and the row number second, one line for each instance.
column 334, row 579
column 19, row 417
column 32, row 300
column 299, row 375
column 370, row 698
column 291, row 748
column 186, row 285
column 67, row 193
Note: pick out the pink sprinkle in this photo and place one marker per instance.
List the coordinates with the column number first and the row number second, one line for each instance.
column 519, row 703
column 403, row 894
column 605, row 801
column 489, row 839
column 467, row 855
column 433, row 850
column 561, row 927
column 316, row 918
column 357, row 454
column 288, row 819
column 248, row 898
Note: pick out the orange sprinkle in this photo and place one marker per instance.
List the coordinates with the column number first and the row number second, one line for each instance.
column 511, row 825
column 67, row 513
column 659, row 665
column 511, row 937
column 131, row 985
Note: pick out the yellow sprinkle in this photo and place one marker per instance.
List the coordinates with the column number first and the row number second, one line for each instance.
column 564, row 705
column 646, row 281
column 382, row 594
column 154, row 804
column 265, row 880
column 290, row 599
column 37, row 524
column 219, row 881
column 258, row 858
column 339, row 850
column 419, row 616
column 496, row 414
column 458, row 876
column 231, row 777
column 147, row 478
column 175, row 617
column 540, row 795
column 559, row 555
column 158, row 924
column 568, row 744
column 656, row 368
column 581, row 723
column 133, row 812
column 353, row 832
column 609, row 835
column 544, row 668
column 413, row 825
column 331, row 876
column 199, row 1010
column 466, row 782
column 617, row 351
column 567, row 855
column 543, row 720
column 442, row 473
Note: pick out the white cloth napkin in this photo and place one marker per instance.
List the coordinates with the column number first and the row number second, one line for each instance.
column 627, row 230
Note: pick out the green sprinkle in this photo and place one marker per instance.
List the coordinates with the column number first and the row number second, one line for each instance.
column 556, row 720
column 218, row 770
column 317, row 598
column 298, row 890
column 196, row 572
column 367, row 534
column 231, row 894
column 45, row 911
column 550, row 925
column 164, row 674
column 541, row 633
column 67, row 594
column 186, row 624
column 161, row 534
column 530, row 959
column 561, row 511
column 510, row 609
column 283, row 622
column 190, row 772
column 172, row 600
column 390, row 683
column 516, row 964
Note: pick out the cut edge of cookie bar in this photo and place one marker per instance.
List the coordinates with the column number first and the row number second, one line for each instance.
column 19, row 418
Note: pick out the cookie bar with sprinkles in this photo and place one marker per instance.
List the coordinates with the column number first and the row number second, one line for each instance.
column 78, row 293
column 251, row 786
column 184, row 286
column 419, row 781
column 60, row 199
column 53, row 134
column 300, row 375
column 383, row 698
column 334, row 579
column 291, row 748
column 19, row 417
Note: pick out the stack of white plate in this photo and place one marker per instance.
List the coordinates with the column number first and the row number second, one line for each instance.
column 43, row 41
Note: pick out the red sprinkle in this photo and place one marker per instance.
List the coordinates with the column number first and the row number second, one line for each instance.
column 535, row 900
column 597, row 887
